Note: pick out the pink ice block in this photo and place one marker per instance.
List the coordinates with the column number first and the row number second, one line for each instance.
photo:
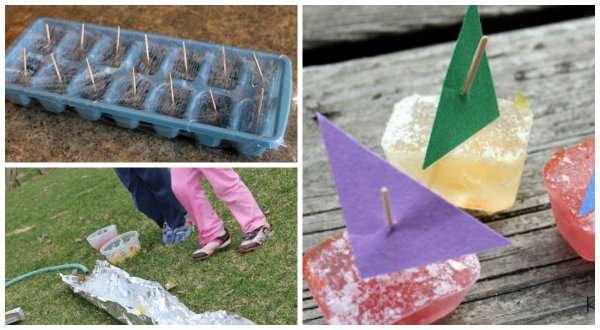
column 567, row 176
column 413, row 296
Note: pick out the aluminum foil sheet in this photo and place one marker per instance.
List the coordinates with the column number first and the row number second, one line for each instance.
column 133, row 300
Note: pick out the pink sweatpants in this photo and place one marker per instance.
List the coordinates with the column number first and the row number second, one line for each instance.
column 187, row 186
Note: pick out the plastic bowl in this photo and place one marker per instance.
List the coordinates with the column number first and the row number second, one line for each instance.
column 101, row 236
column 124, row 246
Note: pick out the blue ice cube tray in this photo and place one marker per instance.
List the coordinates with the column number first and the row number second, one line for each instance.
column 237, row 94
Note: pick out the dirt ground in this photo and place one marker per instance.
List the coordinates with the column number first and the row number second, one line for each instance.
column 37, row 136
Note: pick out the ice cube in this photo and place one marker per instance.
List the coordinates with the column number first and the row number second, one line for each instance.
column 483, row 173
column 414, row 296
column 567, row 175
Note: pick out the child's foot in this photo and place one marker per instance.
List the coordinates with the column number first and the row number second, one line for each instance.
column 183, row 232
column 168, row 236
column 256, row 238
column 212, row 247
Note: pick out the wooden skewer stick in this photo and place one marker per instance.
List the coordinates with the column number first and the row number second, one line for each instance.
column 185, row 64
column 56, row 68
column 260, row 104
column 258, row 66
column 24, row 62
column 82, row 39
column 212, row 99
column 224, row 61
column 147, row 49
column 133, row 82
column 48, row 34
column 172, row 91
column 89, row 67
column 118, row 41
column 475, row 64
column 386, row 205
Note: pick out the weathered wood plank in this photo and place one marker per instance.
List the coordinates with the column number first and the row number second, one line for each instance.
column 559, row 84
column 553, row 66
column 563, row 300
column 330, row 24
column 507, row 283
column 532, row 190
column 534, row 258
column 531, row 197
column 532, row 303
column 529, row 251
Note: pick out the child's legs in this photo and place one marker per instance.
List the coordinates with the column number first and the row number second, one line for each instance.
column 230, row 189
column 187, row 186
column 144, row 199
column 158, row 181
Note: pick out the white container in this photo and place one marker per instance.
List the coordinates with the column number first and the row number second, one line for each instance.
column 102, row 236
column 124, row 246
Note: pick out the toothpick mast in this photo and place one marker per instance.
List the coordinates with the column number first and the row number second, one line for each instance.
column 91, row 73
column 48, row 34
column 172, row 91
column 118, row 40
column 224, row 61
column 260, row 104
column 185, row 63
column 212, row 99
column 133, row 82
column 386, row 205
column 475, row 64
column 147, row 50
column 82, row 39
column 24, row 62
column 56, row 68
column 258, row 66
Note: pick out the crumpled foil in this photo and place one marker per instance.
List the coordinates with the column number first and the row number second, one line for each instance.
column 133, row 300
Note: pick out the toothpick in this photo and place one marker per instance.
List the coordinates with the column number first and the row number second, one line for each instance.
column 212, row 98
column 89, row 67
column 386, row 205
column 185, row 64
column 258, row 66
column 147, row 50
column 48, row 34
column 172, row 91
column 24, row 62
column 475, row 64
column 224, row 61
column 56, row 68
column 260, row 104
column 118, row 40
column 133, row 81
column 82, row 36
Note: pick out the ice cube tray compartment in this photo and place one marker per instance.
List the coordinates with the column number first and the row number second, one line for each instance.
column 236, row 94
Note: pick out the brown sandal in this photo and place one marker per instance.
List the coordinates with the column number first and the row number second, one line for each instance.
column 224, row 241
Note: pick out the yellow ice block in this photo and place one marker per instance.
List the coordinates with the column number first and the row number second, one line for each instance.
column 481, row 174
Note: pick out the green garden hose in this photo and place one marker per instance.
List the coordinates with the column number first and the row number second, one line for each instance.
column 20, row 278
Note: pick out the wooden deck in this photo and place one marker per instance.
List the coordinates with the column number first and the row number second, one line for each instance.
column 539, row 279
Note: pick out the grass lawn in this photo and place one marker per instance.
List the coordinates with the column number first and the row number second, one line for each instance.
column 49, row 216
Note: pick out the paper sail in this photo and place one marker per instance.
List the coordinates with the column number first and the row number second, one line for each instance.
column 459, row 116
column 589, row 203
column 427, row 228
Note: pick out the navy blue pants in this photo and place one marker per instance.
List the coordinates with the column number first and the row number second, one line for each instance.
column 151, row 191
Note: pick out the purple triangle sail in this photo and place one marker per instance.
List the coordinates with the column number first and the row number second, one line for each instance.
column 427, row 229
